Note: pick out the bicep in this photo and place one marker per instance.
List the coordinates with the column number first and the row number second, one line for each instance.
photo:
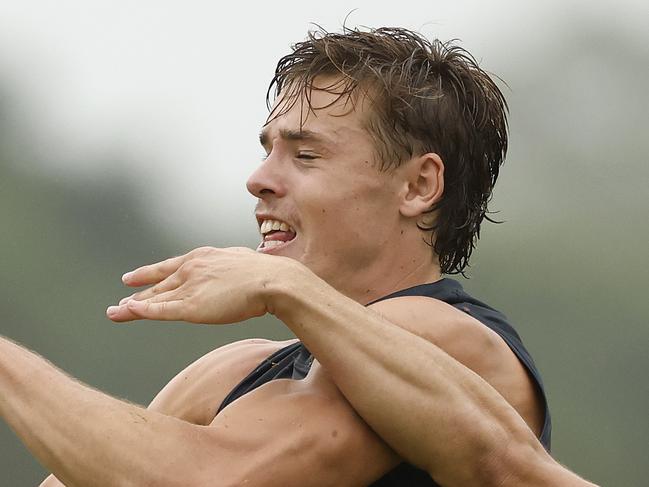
column 289, row 432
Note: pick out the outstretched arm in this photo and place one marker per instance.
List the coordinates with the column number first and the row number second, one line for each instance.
column 268, row 438
column 86, row 437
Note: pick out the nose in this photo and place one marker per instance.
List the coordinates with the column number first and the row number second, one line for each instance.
column 267, row 180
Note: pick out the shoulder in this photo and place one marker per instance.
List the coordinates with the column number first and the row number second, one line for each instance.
column 457, row 333
column 240, row 351
column 473, row 344
column 284, row 432
column 438, row 322
column 196, row 392
column 234, row 359
column 304, row 432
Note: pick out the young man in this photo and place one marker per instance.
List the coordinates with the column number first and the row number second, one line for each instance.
column 382, row 152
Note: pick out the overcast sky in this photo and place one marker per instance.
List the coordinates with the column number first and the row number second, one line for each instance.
column 180, row 86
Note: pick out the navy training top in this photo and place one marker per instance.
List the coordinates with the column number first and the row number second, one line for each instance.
column 294, row 362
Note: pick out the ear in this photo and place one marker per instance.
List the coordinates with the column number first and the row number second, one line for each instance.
column 423, row 184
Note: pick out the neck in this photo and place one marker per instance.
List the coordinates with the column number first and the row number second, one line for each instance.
column 404, row 267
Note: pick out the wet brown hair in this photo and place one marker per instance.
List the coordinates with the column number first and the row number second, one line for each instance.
column 426, row 96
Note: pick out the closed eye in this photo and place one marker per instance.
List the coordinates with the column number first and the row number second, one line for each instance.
column 306, row 156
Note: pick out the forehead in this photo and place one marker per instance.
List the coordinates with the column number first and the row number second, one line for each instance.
column 319, row 109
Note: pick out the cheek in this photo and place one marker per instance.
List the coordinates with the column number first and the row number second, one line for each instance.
column 372, row 203
column 352, row 217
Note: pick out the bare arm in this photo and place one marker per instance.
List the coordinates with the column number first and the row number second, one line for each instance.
column 195, row 392
column 268, row 438
column 458, row 427
column 85, row 437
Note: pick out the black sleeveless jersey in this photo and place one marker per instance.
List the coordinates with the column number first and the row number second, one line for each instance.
column 294, row 361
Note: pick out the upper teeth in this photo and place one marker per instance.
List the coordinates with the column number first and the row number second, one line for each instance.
column 270, row 225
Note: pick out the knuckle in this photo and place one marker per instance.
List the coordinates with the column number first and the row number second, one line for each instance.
column 201, row 251
column 187, row 268
column 173, row 281
column 191, row 307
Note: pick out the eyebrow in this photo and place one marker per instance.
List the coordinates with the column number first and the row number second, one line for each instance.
column 296, row 135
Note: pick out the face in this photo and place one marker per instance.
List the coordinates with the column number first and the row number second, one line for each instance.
column 340, row 213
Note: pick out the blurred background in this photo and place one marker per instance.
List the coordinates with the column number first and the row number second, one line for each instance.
column 128, row 129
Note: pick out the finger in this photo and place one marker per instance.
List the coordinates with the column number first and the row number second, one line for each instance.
column 161, row 311
column 120, row 314
column 123, row 312
column 153, row 273
column 169, row 284
column 125, row 300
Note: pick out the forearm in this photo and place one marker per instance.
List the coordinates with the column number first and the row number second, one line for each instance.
column 464, row 430
column 83, row 436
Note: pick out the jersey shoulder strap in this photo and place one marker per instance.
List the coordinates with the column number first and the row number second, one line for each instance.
column 290, row 362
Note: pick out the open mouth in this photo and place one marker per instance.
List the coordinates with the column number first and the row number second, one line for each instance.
column 276, row 234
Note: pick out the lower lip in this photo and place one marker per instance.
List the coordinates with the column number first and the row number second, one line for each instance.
column 276, row 248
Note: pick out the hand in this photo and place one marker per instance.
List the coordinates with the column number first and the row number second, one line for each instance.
column 207, row 285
